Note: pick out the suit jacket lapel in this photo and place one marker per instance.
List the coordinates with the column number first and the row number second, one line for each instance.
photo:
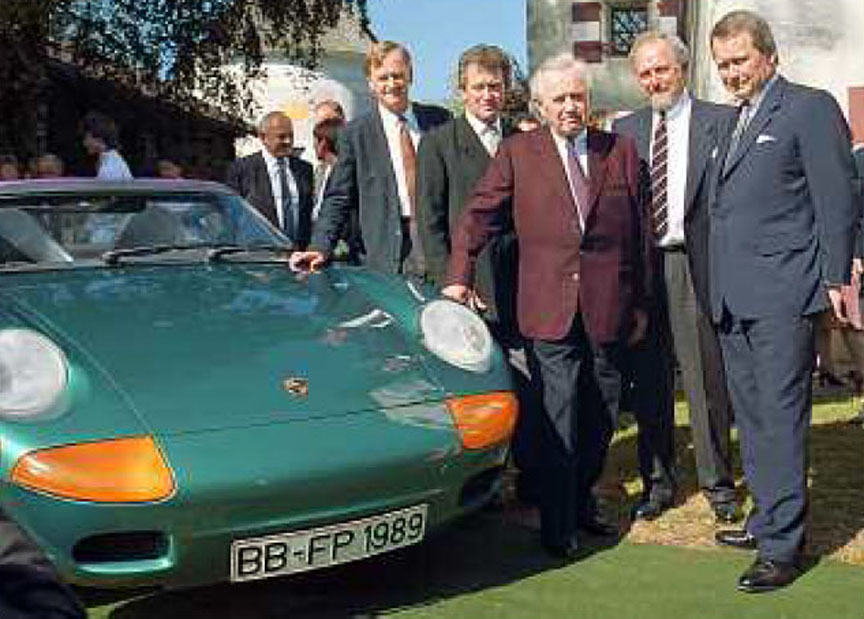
column 377, row 141
column 553, row 168
column 769, row 105
column 262, row 180
column 468, row 142
column 700, row 142
column 644, row 120
column 597, row 147
column 303, row 188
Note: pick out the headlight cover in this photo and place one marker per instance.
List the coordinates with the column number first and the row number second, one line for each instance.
column 33, row 375
column 457, row 335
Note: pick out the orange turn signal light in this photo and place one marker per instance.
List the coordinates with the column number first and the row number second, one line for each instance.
column 123, row 470
column 486, row 419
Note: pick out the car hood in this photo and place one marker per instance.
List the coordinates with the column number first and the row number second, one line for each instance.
column 196, row 348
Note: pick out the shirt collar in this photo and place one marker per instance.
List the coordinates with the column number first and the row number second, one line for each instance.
column 678, row 108
column 756, row 100
column 479, row 126
column 392, row 119
column 580, row 142
column 271, row 161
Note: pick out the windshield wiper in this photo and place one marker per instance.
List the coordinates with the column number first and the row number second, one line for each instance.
column 218, row 253
column 112, row 257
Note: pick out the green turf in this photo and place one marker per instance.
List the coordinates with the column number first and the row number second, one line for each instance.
column 489, row 568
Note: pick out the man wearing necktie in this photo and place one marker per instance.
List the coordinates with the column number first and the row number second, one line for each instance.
column 677, row 137
column 277, row 184
column 783, row 219
column 577, row 207
column 374, row 179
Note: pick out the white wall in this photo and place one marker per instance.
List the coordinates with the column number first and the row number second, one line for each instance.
column 820, row 42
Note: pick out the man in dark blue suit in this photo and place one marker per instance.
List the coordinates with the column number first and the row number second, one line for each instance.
column 783, row 218
column 374, row 180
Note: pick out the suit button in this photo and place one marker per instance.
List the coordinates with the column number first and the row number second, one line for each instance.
column 575, row 277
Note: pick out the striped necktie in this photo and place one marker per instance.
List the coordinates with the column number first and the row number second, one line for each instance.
column 659, row 194
column 744, row 110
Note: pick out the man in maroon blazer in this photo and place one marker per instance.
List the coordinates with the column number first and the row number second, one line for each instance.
column 577, row 203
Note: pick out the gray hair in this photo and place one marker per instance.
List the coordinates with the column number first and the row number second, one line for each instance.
column 264, row 122
column 679, row 48
column 564, row 62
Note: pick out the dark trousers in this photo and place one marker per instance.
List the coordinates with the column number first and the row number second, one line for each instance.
column 29, row 585
column 769, row 365
column 697, row 349
column 580, row 385
column 650, row 368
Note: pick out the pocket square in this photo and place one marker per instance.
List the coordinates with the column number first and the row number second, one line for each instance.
column 765, row 138
column 714, row 153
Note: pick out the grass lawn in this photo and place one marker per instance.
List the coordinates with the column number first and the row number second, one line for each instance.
column 490, row 565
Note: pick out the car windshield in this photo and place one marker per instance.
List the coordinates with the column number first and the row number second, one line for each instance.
column 78, row 229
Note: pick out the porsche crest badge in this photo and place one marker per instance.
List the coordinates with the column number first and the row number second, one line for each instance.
column 296, row 386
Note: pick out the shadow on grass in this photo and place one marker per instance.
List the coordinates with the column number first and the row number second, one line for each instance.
column 480, row 552
column 836, row 475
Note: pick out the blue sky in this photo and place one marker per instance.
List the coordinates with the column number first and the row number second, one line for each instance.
column 437, row 31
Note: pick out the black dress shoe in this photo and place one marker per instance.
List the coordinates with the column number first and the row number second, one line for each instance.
column 767, row 575
column 651, row 508
column 593, row 525
column 567, row 550
column 727, row 512
column 736, row 538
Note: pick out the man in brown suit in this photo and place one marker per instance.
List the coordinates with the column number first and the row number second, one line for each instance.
column 577, row 204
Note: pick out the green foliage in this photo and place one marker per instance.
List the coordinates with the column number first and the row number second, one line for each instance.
column 175, row 49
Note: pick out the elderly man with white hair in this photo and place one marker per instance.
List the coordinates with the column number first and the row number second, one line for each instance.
column 576, row 199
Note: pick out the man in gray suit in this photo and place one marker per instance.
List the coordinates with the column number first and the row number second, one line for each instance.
column 375, row 174
column 676, row 135
column 783, row 219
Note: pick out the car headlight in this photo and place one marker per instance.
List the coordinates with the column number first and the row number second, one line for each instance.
column 457, row 335
column 33, row 374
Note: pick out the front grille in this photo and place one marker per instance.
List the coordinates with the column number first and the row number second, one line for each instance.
column 126, row 546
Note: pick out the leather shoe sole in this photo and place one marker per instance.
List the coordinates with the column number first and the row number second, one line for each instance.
column 727, row 513
column 597, row 527
column 567, row 551
column 766, row 575
column 736, row 538
column 650, row 509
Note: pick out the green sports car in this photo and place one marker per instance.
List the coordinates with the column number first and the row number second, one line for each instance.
column 177, row 407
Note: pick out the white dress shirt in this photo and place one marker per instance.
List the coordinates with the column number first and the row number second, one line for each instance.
column 678, row 146
column 489, row 139
column 273, row 172
column 581, row 145
column 391, row 131
column 112, row 166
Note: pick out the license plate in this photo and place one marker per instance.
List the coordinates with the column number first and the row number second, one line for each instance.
column 300, row 551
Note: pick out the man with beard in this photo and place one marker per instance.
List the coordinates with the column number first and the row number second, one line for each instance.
column 677, row 135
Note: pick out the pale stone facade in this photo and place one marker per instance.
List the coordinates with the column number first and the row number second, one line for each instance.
column 819, row 43
column 295, row 90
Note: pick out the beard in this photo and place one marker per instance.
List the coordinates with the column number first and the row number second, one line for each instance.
column 663, row 102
